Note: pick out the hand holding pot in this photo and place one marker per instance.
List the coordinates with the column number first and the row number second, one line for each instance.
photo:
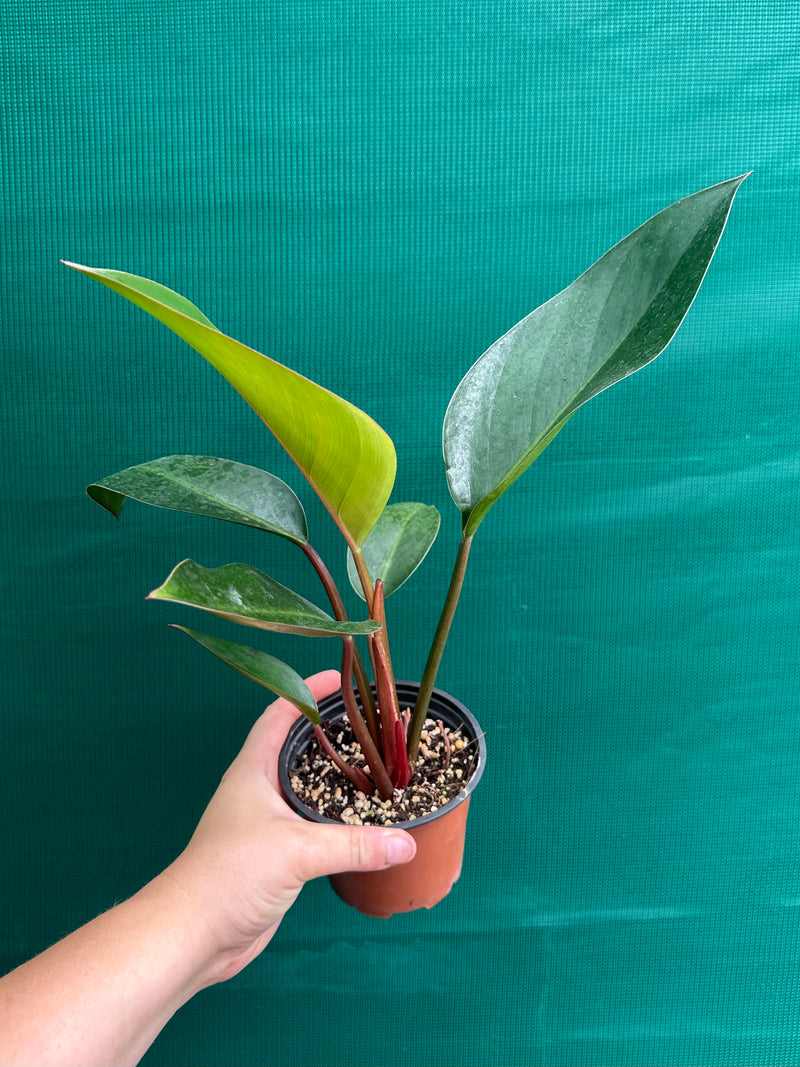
column 250, row 855
column 101, row 995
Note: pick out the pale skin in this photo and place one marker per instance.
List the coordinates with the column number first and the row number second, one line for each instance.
column 102, row 995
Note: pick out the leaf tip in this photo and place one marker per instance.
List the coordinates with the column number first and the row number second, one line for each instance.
column 107, row 499
column 75, row 266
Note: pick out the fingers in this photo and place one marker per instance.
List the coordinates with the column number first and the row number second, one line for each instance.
column 326, row 850
column 333, row 849
column 281, row 714
column 324, row 683
column 269, row 732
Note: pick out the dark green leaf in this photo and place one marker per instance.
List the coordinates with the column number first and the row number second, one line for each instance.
column 615, row 318
column 396, row 545
column 247, row 596
column 260, row 667
column 205, row 485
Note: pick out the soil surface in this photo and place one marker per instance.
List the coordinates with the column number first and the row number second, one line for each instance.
column 444, row 766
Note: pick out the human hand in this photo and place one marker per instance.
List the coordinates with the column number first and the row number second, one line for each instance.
column 251, row 854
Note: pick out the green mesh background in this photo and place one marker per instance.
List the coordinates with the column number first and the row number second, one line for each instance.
column 373, row 192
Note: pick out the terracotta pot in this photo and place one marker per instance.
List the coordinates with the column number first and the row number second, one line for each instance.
column 440, row 836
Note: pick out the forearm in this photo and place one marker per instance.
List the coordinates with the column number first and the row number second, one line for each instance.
column 103, row 994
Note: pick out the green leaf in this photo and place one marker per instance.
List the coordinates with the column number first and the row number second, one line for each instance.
column 260, row 667
column 396, row 545
column 205, row 485
column 615, row 318
column 347, row 458
column 249, row 597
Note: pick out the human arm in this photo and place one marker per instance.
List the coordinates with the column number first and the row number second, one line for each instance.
column 103, row 994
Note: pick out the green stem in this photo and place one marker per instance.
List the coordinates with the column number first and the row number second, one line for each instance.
column 364, row 576
column 437, row 647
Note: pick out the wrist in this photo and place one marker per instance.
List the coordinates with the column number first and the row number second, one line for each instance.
column 192, row 935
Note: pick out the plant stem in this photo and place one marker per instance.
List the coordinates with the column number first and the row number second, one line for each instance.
column 437, row 647
column 325, row 576
column 355, row 774
column 364, row 692
column 388, row 707
column 364, row 576
column 362, row 734
column 339, row 612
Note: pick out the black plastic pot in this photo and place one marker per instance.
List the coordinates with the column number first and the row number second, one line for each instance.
column 440, row 835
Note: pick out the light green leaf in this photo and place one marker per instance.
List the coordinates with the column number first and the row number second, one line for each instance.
column 205, row 485
column 346, row 457
column 397, row 544
column 615, row 318
column 260, row 667
column 249, row 597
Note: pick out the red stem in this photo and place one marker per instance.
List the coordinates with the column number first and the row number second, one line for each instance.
column 355, row 774
column 383, row 685
column 403, row 772
column 363, row 736
column 388, row 704
column 339, row 612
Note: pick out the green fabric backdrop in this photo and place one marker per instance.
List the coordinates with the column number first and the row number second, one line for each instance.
column 373, row 192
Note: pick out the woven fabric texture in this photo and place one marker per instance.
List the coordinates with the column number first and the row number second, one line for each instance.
column 372, row 193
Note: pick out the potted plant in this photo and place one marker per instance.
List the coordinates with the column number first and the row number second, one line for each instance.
column 384, row 751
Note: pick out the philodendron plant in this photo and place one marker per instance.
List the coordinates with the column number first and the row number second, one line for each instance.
column 615, row 318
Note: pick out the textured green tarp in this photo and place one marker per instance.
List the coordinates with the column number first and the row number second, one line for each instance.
column 373, row 192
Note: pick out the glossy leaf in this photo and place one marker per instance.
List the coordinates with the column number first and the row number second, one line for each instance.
column 613, row 320
column 206, row 485
column 262, row 668
column 346, row 457
column 247, row 596
column 397, row 544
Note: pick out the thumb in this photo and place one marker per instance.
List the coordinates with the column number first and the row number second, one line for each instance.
column 333, row 849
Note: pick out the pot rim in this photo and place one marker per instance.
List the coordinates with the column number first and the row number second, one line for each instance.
column 443, row 706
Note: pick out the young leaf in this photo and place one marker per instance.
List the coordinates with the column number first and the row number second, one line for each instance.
column 396, row 545
column 249, row 597
column 260, row 667
column 205, row 485
column 347, row 458
column 615, row 318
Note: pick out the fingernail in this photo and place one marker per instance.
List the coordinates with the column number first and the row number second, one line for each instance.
column 400, row 848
